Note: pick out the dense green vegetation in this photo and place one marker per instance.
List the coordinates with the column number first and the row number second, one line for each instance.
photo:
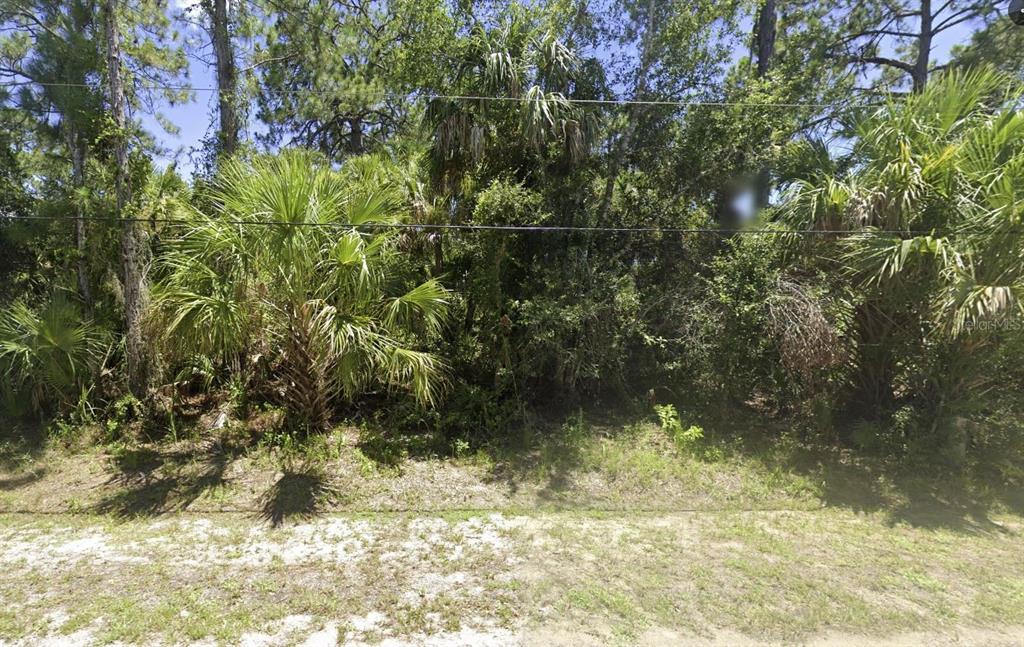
column 343, row 252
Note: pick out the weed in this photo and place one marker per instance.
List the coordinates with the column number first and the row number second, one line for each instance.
column 122, row 411
column 684, row 438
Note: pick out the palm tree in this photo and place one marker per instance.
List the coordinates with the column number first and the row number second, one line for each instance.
column 932, row 204
column 310, row 293
column 514, row 88
column 48, row 354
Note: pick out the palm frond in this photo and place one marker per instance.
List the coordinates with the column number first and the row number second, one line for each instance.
column 313, row 298
column 501, row 74
column 51, row 350
column 423, row 374
column 877, row 259
column 967, row 306
column 427, row 303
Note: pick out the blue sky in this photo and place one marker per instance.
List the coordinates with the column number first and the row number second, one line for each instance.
column 195, row 119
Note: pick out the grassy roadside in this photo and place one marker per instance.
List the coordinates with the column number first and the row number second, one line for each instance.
column 546, row 578
column 351, row 470
column 184, row 579
column 615, row 536
column 786, row 576
column 634, row 467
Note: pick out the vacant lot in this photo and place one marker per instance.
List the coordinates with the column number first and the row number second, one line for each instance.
column 615, row 540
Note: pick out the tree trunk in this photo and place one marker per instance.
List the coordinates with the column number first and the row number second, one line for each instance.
column 76, row 143
column 226, row 76
column 924, row 47
column 876, row 363
column 766, row 32
column 438, row 245
column 133, row 281
column 614, row 168
column 355, row 141
column 766, row 20
column 621, row 147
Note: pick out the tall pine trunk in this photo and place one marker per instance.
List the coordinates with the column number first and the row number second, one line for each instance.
column 766, row 20
column 226, row 78
column 76, row 143
column 766, row 32
column 924, row 47
column 133, row 281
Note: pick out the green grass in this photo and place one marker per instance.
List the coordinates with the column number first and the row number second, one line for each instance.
column 781, row 542
column 172, row 582
column 576, row 466
column 773, row 575
column 779, row 576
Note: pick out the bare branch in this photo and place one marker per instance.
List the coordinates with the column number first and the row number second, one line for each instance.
column 267, row 61
column 955, row 19
column 882, row 60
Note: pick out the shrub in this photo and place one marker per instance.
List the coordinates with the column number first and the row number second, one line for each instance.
column 684, row 438
column 332, row 311
column 47, row 354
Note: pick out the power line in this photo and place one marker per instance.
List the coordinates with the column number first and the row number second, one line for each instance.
column 475, row 97
column 478, row 227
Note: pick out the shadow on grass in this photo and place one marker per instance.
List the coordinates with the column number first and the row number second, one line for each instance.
column 545, row 453
column 554, row 461
column 551, row 457
column 558, row 460
column 297, row 494
column 390, row 448
column 28, row 478
column 20, row 445
column 152, row 481
column 926, row 496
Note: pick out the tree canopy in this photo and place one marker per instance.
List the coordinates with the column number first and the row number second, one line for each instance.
column 477, row 211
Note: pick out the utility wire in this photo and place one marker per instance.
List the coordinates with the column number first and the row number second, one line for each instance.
column 473, row 97
column 472, row 227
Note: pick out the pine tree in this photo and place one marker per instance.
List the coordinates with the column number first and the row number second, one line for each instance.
column 133, row 282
